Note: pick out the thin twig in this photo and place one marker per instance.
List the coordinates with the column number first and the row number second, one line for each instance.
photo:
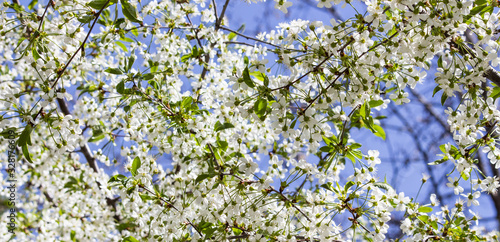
column 288, row 200
column 306, row 74
column 171, row 206
column 61, row 72
column 258, row 40
column 217, row 24
column 43, row 16
column 85, row 148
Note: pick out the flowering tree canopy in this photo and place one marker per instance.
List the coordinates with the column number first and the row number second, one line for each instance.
column 101, row 139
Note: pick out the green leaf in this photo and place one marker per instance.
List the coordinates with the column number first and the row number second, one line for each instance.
column 131, row 61
column 480, row 2
column 122, row 45
column 436, row 89
column 380, row 131
column 117, row 178
column 126, row 39
column 130, row 239
column 425, row 209
column 423, row 218
column 327, row 186
column 348, row 185
column 458, row 221
column 32, row 4
column 369, row 124
column 327, row 140
column 85, row 19
column 292, row 125
column 495, row 93
column 247, row 79
column 362, row 111
column 477, row 9
column 440, row 61
column 130, row 12
column 259, row 75
column 184, row 58
column 186, row 102
column 383, row 185
column 219, row 126
column 260, row 107
column 120, row 87
column 231, row 36
column 148, row 76
column 135, row 165
column 435, row 225
column 487, row 9
column 241, row 29
column 195, row 52
column 443, row 148
column 464, row 176
column 127, row 225
column 97, row 4
column 25, row 137
column 135, row 32
column 26, row 153
column 222, row 144
column 355, row 146
column 204, row 176
column 375, row 103
column 438, row 161
column 97, row 137
column 443, row 98
column 115, row 71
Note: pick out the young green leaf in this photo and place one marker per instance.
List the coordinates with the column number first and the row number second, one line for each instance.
column 115, row 71
column 247, row 79
column 25, row 137
column 425, row 209
column 97, row 4
column 130, row 239
column 130, row 12
column 379, row 131
column 375, row 103
column 260, row 107
column 120, row 88
column 32, row 4
column 26, row 153
column 219, row 126
column 135, row 165
column 443, row 98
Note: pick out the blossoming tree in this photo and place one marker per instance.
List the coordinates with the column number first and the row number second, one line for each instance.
column 86, row 85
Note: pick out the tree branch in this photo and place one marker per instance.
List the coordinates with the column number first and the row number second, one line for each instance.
column 85, row 148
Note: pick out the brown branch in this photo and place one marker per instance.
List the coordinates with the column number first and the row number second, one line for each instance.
column 428, row 106
column 258, row 40
column 219, row 19
column 43, row 16
column 85, row 148
column 288, row 200
column 61, row 72
column 306, row 74
column 170, row 205
column 420, row 148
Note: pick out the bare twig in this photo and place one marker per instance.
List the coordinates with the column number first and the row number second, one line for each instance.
column 293, row 204
column 85, row 148
column 43, row 16
column 258, row 40
column 82, row 46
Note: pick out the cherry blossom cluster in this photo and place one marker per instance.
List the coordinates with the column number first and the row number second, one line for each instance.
column 113, row 147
